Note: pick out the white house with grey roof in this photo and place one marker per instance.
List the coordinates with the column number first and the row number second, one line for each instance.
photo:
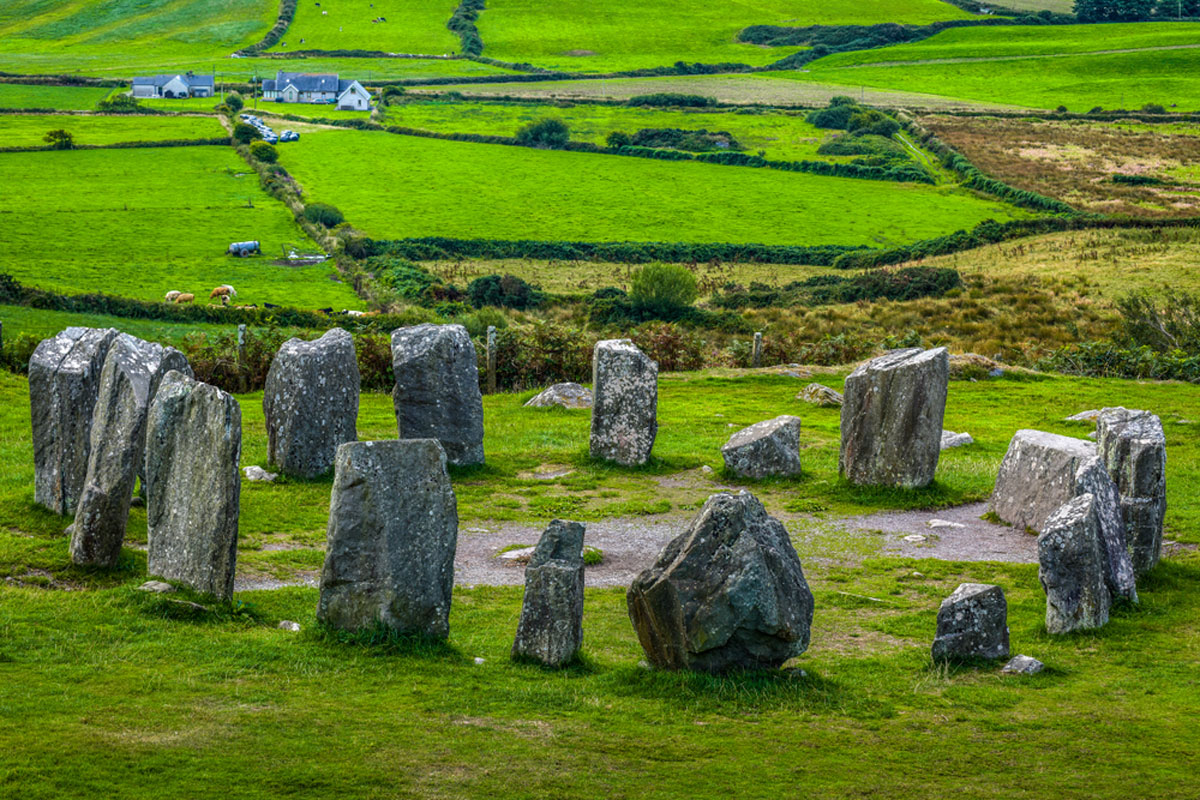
column 308, row 87
column 187, row 84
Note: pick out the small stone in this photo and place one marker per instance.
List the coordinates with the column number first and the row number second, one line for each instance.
column 1023, row 665
column 972, row 623
column 288, row 625
column 156, row 587
column 566, row 395
column 820, row 396
column 1091, row 415
column 550, row 629
column 257, row 474
column 944, row 523
column 706, row 469
column 519, row 556
column 625, row 407
column 765, row 449
column 951, row 439
column 479, row 661
column 915, row 538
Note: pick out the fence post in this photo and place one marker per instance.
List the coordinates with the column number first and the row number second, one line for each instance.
column 241, row 356
column 757, row 362
column 491, row 359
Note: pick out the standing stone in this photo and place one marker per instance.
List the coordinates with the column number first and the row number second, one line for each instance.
column 892, row 418
column 132, row 372
column 64, row 377
column 1134, row 449
column 1073, row 569
column 393, row 529
column 310, row 403
column 1092, row 478
column 765, row 449
column 972, row 623
column 437, row 390
column 193, row 444
column 727, row 593
column 1037, row 476
column 625, row 403
column 551, row 627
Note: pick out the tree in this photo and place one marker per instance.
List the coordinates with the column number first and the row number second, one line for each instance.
column 60, row 140
column 547, row 134
column 391, row 94
column 244, row 134
column 618, row 139
column 662, row 290
column 235, row 102
column 119, row 104
column 261, row 151
column 1113, row 10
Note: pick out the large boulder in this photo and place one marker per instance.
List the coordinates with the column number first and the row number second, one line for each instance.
column 765, row 449
column 64, row 378
column 393, row 530
column 1134, row 450
column 972, row 624
column 1073, row 569
column 437, row 390
column 728, row 593
column 310, row 403
column 625, row 403
column 132, row 372
column 550, row 630
column 892, row 418
column 1037, row 476
column 193, row 444
column 567, row 395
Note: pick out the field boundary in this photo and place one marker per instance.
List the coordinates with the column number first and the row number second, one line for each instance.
column 216, row 141
column 287, row 13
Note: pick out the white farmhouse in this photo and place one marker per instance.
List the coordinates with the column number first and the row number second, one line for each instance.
column 187, row 84
column 307, row 87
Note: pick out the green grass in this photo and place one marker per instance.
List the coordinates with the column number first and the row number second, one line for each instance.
column 626, row 34
column 139, row 223
column 412, row 26
column 422, row 187
column 66, row 98
column 39, row 322
column 28, row 130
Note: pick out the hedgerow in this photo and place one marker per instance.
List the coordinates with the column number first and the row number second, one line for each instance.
column 287, row 12
column 899, row 285
column 462, row 24
column 221, row 140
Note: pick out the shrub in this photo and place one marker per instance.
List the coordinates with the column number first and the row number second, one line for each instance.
column 60, row 140
column 234, row 102
column 546, row 134
column 244, row 134
column 119, row 104
column 836, row 117
column 701, row 141
column 1136, row 180
column 618, row 139
column 508, row 291
column 391, row 93
column 323, row 214
column 261, row 151
column 671, row 99
column 662, row 290
column 1153, row 108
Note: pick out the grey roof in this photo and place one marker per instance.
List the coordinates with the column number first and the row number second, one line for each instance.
column 307, row 82
column 162, row 80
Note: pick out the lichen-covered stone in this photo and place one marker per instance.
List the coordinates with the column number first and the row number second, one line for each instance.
column 950, row 439
column 972, row 623
column 64, row 378
column 1037, row 476
column 193, row 444
column 1073, row 569
column 1134, row 450
column 728, row 593
column 765, row 449
column 821, row 396
column 437, row 390
column 310, row 403
column 567, row 395
column 892, row 418
column 625, row 403
column 1023, row 665
column 1092, row 478
column 131, row 375
column 393, row 530
column 550, row 630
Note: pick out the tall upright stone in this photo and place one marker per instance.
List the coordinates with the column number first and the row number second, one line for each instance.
column 393, row 530
column 972, row 623
column 64, row 378
column 550, row 630
column 132, row 372
column 437, row 390
column 1134, row 449
column 1037, row 476
column 193, row 444
column 1092, row 478
column 1073, row 569
column 892, row 416
column 727, row 593
column 624, row 403
column 310, row 403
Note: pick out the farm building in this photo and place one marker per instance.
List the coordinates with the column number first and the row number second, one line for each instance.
column 303, row 87
column 187, row 84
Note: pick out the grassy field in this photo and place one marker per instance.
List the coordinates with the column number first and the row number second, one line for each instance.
column 41, row 323
column 28, row 130
column 625, row 34
column 139, row 223
column 422, row 187
column 411, row 26
column 65, row 98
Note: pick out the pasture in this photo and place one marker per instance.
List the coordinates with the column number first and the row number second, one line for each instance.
column 404, row 26
column 138, row 223
column 64, row 98
column 422, row 187
column 28, row 130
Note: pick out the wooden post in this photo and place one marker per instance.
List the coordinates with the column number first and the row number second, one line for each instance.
column 491, row 359
column 757, row 362
column 241, row 356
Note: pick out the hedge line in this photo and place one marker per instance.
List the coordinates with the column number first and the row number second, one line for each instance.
column 843, row 38
column 910, row 283
column 435, row 247
column 462, row 24
column 221, row 141
column 287, row 11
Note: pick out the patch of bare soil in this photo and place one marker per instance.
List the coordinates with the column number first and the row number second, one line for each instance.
column 580, row 53
column 952, row 534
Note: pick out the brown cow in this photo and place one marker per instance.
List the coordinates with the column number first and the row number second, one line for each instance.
column 224, row 290
column 187, row 297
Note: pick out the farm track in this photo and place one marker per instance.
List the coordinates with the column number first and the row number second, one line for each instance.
column 1031, row 57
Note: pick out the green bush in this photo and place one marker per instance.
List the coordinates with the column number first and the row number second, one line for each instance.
column 261, row 151
column 546, row 134
column 618, row 139
column 700, row 141
column 120, row 104
column 234, row 102
column 508, row 291
column 323, row 214
column 662, row 289
column 60, row 140
column 671, row 99
column 898, row 285
column 244, row 134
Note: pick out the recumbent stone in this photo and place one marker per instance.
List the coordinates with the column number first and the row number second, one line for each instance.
column 567, row 395
column 765, row 449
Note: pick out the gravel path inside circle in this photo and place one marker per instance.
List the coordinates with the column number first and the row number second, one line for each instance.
column 952, row 534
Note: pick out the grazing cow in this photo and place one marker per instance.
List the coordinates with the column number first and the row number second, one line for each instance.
column 185, row 298
column 270, row 305
column 224, row 290
column 171, row 295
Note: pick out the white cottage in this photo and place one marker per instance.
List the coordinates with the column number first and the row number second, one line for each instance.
column 304, row 87
column 186, row 84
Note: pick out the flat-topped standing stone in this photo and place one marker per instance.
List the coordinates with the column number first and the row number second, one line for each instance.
column 1073, row 568
column 64, row 377
column 625, row 403
column 393, row 530
column 193, row 443
column 727, row 593
column 437, row 390
column 551, row 627
column 1134, row 449
column 892, row 418
column 1037, row 476
column 310, row 403
column 770, row 448
column 132, row 372
column 972, row 623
